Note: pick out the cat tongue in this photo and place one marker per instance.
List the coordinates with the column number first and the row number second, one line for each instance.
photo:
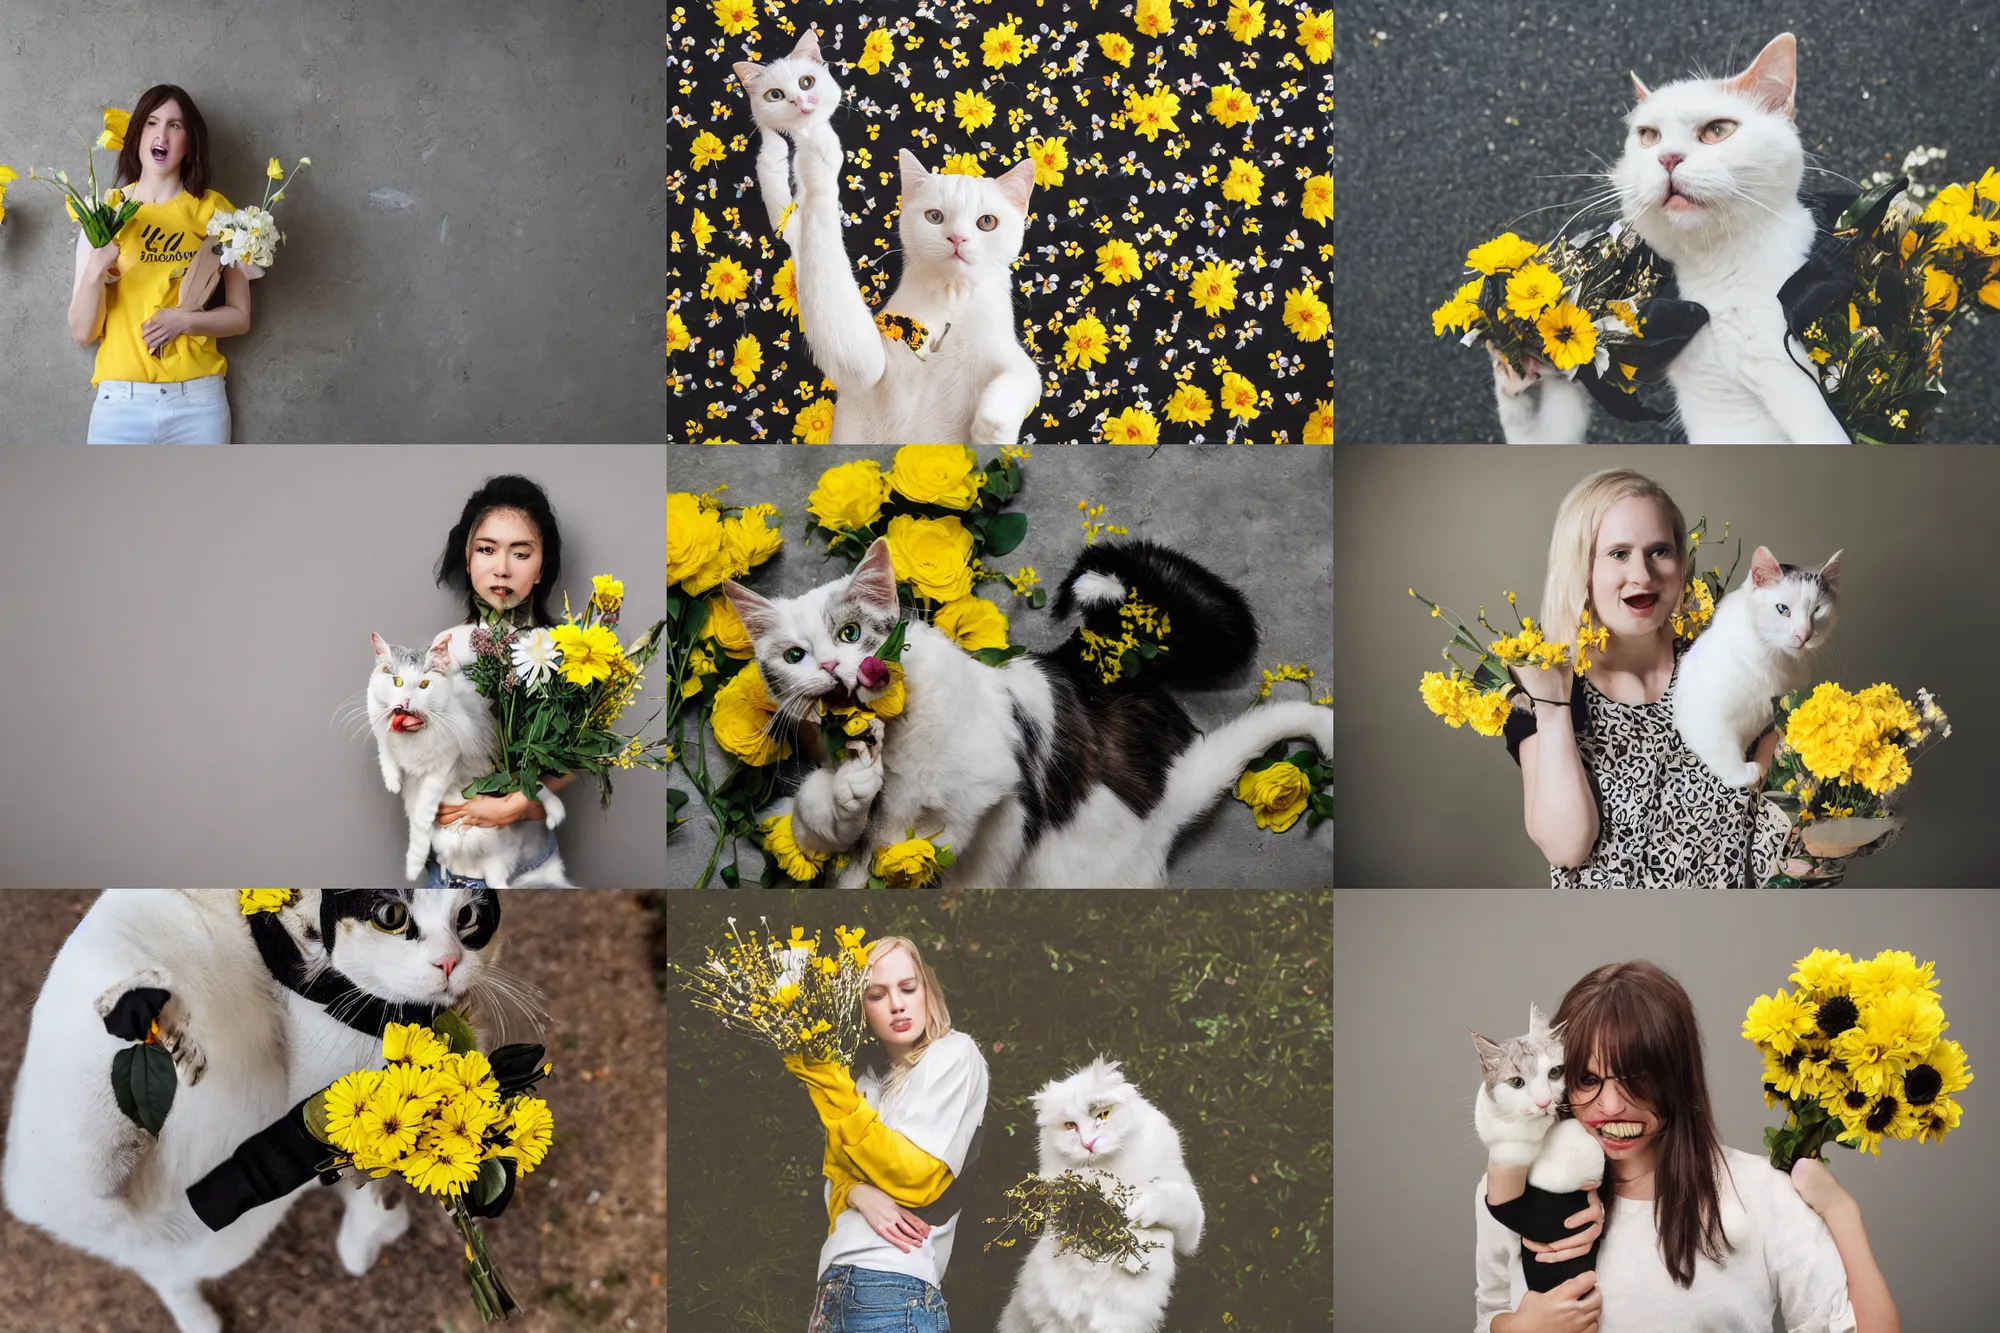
column 873, row 673
column 404, row 720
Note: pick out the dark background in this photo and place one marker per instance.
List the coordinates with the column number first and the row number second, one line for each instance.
column 1449, row 128
column 706, row 95
column 1216, row 1003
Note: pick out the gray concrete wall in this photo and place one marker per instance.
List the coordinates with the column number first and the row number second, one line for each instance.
column 477, row 252
column 1259, row 517
column 202, row 617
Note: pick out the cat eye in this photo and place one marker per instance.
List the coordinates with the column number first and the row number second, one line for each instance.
column 1555, row 1071
column 1716, row 131
column 933, row 216
column 850, row 633
column 1648, row 137
column 389, row 916
column 468, row 917
column 806, row 82
column 1069, row 1124
column 774, row 95
column 1105, row 1114
column 1516, row 1082
column 795, row 655
column 987, row 222
column 424, row 684
column 397, row 681
column 1784, row 610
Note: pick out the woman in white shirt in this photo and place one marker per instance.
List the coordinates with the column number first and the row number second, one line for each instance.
column 1693, row 1236
column 897, row 1138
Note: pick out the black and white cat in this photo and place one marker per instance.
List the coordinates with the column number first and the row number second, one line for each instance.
column 230, row 995
column 1035, row 773
column 434, row 733
column 1096, row 1122
column 1759, row 646
column 1710, row 180
column 790, row 95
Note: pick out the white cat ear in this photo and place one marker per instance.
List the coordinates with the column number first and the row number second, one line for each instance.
column 1538, row 1022
column 1640, row 92
column 1829, row 573
column 756, row 613
column 440, row 654
column 1018, row 183
column 1489, row 1050
column 808, row 48
column 1772, row 78
column 1764, row 568
column 874, row 579
column 748, row 75
column 914, row 174
column 381, row 647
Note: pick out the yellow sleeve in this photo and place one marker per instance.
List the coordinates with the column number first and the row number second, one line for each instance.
column 878, row 1154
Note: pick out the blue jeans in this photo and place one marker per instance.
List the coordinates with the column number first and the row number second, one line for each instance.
column 866, row 1300
column 437, row 877
column 188, row 412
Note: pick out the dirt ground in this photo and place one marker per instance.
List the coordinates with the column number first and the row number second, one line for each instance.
column 583, row 1246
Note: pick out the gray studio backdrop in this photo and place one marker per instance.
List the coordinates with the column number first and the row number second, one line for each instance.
column 1465, row 524
column 475, row 253
column 1256, row 516
column 203, row 617
column 1455, row 125
column 1406, row 1162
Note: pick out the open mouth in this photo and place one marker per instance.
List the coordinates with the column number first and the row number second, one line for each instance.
column 900, row 1025
column 1677, row 198
column 1620, row 1133
column 402, row 719
column 159, row 152
column 838, row 697
column 1641, row 603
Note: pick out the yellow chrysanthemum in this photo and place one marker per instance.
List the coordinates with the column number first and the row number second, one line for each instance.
column 588, row 652
column 1213, row 288
column 1244, row 184
column 1245, row 19
column 1230, row 105
column 413, row 1043
column 973, row 110
column 748, row 358
column 530, row 1130
column 1531, row 289
column 1116, row 46
column 344, row 1100
column 1319, row 426
column 1001, row 45
column 1306, row 315
column 780, row 842
column 1050, row 156
column 736, row 15
column 877, row 51
column 1117, row 261
column 727, row 280
column 1085, row 343
column 1189, row 403
column 1569, row 339
column 814, row 423
column 1460, row 311
column 1316, row 198
column 1501, row 254
column 694, row 537
column 1135, row 425
column 446, row 1163
column 1239, row 397
column 1779, row 1021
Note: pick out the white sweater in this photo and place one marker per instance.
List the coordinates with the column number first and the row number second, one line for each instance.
column 1787, row 1265
column 938, row 1106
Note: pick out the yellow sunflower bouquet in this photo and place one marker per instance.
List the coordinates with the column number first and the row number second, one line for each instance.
column 452, row 1122
column 1856, row 1053
column 792, row 992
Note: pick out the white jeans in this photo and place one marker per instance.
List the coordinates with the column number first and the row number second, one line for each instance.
column 132, row 412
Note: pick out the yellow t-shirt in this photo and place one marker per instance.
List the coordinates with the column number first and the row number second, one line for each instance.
column 154, row 249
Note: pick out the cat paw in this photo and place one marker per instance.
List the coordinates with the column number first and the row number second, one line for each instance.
column 857, row 783
column 1746, row 776
column 364, row 1229
column 129, row 1007
column 1511, row 384
column 990, row 430
column 1133, row 1264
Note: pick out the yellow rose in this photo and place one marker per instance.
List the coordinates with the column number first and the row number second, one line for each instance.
column 849, row 496
column 117, row 123
column 801, row 865
column 694, row 536
column 974, row 622
column 1276, row 795
column 907, row 865
column 743, row 708
column 726, row 628
column 749, row 540
column 933, row 555
column 937, row 474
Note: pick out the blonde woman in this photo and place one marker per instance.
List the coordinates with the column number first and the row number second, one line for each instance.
column 1611, row 794
column 900, row 1130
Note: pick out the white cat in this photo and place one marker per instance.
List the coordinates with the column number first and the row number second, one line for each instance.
column 1710, row 180
column 246, row 1047
column 1095, row 1122
column 973, row 382
column 1755, row 649
column 1035, row 773
column 1518, row 1110
column 434, row 733
column 787, row 97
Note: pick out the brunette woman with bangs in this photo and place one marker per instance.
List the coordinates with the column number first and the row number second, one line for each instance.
column 1727, row 1243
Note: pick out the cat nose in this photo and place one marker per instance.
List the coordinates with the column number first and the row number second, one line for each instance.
column 1672, row 160
column 956, row 241
column 445, row 965
column 1542, row 1103
column 828, row 666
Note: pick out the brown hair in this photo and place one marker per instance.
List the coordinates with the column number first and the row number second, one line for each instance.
column 1634, row 1022
column 937, row 1018
column 194, row 167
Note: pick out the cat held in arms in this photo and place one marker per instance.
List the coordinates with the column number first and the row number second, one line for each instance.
column 1037, row 773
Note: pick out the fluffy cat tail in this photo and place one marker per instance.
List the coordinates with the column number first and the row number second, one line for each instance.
column 1211, row 634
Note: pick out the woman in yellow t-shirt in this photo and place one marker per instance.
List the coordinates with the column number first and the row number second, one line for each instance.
column 159, row 375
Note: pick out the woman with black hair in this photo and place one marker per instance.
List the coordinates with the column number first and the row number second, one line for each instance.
column 159, row 374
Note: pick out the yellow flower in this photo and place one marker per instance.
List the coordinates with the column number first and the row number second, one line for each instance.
column 1940, row 289
column 1084, row 342
column 799, row 864
column 1276, row 795
column 694, row 536
column 814, row 423
column 743, row 709
column 1316, row 198
column 1889, row 971
column 1319, row 426
column 1532, row 289
column 932, row 555
column 1153, row 113
column 1316, row 36
column 961, row 164
column 1990, row 295
column 973, row 623
column 7, row 176
column 1230, row 105
column 1245, row 20
column 1214, row 287
column 344, row 1100
column 703, row 230
column 1306, row 315
column 849, row 496
column 1780, row 1022
column 749, row 356
column 1117, row 261
column 1460, row 311
column 1116, row 46
column 1505, row 251
column 1189, row 403
column 1050, row 156
column 973, row 110
column 1239, row 397
column 117, row 121
column 1135, row 425
column 607, row 593
column 1245, row 182
column 785, row 286
column 1568, row 337
column 907, row 865
column 700, row 663
column 274, row 171
column 749, row 541
column 1153, row 18
column 413, row 1043
column 1002, row 46
column 726, row 628
column 946, row 475
column 677, row 332
column 877, row 51
column 252, row 901
column 727, row 280
column 736, row 15
column 889, row 702
column 114, row 198
column 589, row 653
column 707, row 148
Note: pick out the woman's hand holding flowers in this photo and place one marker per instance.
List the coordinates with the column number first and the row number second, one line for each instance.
column 1545, row 685
column 1569, row 1308
column 1591, row 1219
column 888, row 1219
column 1817, row 1186
column 102, row 266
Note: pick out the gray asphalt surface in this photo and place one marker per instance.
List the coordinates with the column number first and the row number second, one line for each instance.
column 1450, row 123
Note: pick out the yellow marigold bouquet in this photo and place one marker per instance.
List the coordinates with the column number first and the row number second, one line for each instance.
column 1855, row 1054
column 1479, row 696
column 793, row 992
column 559, row 691
column 452, row 1122
column 100, row 216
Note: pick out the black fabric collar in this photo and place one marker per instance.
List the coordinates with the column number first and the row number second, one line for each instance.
column 343, row 1001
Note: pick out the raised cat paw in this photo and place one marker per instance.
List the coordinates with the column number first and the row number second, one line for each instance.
column 858, row 780
column 991, row 430
column 1511, row 384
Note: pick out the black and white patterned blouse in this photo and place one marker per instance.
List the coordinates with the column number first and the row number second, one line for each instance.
column 1663, row 820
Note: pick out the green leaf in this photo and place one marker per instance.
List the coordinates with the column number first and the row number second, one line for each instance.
column 676, row 798
column 676, row 599
column 877, row 882
column 517, row 1066
column 1131, row 663
column 451, row 1025
column 697, row 618
column 1014, row 473
column 1038, row 599
column 142, row 1079
column 892, row 647
column 1004, row 532
column 1148, row 651
column 730, row 876
column 999, row 656
column 492, row 1181
column 316, row 1117
column 945, row 857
